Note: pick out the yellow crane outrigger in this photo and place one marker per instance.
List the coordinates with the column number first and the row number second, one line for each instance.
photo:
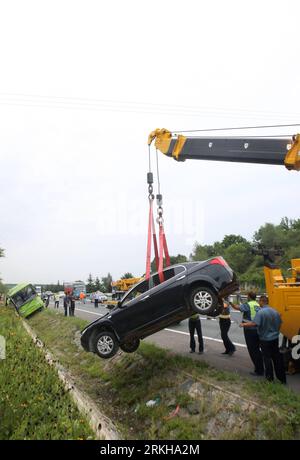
column 283, row 293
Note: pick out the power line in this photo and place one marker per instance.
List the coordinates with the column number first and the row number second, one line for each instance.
column 63, row 102
column 236, row 127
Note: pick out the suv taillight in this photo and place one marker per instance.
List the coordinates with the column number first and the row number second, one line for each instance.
column 218, row 261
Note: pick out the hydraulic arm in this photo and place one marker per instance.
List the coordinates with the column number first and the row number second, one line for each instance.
column 283, row 151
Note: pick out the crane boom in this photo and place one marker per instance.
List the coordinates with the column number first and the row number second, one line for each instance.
column 283, row 151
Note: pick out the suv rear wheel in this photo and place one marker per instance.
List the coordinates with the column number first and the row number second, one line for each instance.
column 106, row 344
column 130, row 346
column 203, row 300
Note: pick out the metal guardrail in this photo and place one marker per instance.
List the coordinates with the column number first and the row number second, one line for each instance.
column 242, row 298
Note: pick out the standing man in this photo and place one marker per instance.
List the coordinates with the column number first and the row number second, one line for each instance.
column 56, row 300
column 47, row 300
column 249, row 310
column 225, row 323
column 72, row 305
column 97, row 298
column 268, row 323
column 82, row 297
column 66, row 303
column 195, row 325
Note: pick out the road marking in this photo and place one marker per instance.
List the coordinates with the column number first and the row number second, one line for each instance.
column 172, row 330
column 91, row 312
column 205, row 337
column 212, row 319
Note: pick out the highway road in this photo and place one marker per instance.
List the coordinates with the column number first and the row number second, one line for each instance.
column 176, row 338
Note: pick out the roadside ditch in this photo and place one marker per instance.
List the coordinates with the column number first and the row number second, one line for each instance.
column 154, row 394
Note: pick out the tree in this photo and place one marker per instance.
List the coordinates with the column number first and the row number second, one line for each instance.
column 286, row 223
column 229, row 240
column 270, row 236
column 296, row 224
column 202, row 252
column 106, row 282
column 127, row 275
column 180, row 258
column 98, row 285
column 52, row 287
column 90, row 287
column 254, row 277
column 239, row 257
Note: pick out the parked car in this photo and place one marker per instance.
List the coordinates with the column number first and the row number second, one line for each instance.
column 152, row 305
column 102, row 297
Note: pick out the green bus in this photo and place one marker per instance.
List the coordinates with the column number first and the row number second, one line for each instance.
column 25, row 299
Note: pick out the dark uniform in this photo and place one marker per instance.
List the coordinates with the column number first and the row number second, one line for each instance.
column 72, row 306
column 195, row 325
column 268, row 323
column 225, row 323
column 66, row 304
column 249, row 310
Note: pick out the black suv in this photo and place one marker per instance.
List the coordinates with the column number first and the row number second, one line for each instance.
column 152, row 305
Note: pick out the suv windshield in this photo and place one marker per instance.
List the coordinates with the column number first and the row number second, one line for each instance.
column 137, row 291
column 153, row 281
column 118, row 295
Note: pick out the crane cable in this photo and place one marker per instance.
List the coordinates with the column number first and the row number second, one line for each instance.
column 151, row 225
column 163, row 247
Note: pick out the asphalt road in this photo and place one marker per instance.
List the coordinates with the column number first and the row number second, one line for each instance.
column 176, row 338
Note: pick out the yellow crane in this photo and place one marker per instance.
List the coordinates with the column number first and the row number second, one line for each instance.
column 120, row 287
column 283, row 293
column 125, row 284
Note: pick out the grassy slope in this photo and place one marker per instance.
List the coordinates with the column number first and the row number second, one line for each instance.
column 123, row 385
column 33, row 402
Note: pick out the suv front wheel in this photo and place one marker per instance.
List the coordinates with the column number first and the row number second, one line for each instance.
column 203, row 300
column 106, row 344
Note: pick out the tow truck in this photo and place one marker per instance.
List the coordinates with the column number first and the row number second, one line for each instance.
column 283, row 293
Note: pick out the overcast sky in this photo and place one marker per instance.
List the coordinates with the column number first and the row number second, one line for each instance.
column 83, row 83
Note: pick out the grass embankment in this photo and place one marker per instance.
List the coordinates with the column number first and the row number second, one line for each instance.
column 33, row 402
column 190, row 397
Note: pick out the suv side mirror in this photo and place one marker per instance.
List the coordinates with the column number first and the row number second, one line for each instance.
column 119, row 303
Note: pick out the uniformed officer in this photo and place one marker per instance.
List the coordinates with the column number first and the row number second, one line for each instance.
column 195, row 325
column 249, row 310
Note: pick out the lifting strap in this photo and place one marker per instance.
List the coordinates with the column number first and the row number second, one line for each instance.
column 163, row 247
column 168, row 262
column 151, row 234
column 155, row 243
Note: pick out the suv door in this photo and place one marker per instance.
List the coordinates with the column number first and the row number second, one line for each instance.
column 143, row 307
column 167, row 298
column 161, row 302
column 131, row 314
